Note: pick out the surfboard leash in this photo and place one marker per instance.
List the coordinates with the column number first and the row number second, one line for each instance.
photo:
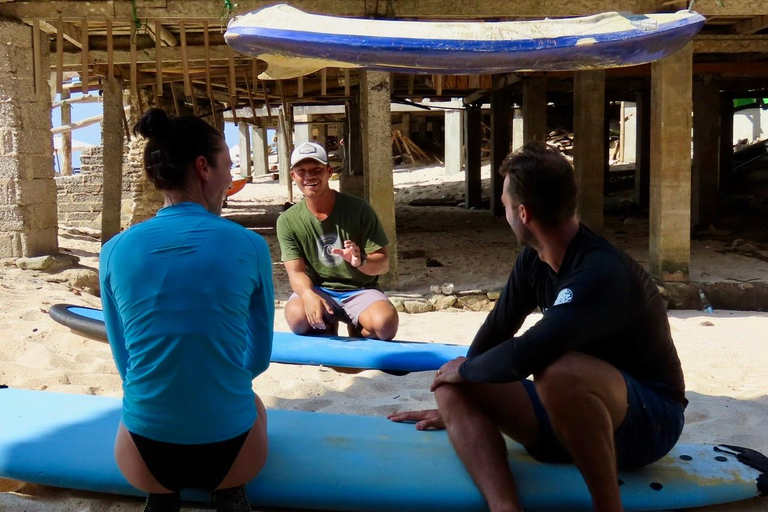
column 751, row 458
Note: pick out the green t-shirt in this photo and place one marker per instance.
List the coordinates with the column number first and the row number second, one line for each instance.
column 301, row 235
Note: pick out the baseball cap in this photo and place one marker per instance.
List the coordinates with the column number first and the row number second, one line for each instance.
column 309, row 150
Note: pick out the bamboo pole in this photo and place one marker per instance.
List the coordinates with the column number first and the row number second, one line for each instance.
column 79, row 124
column 84, row 73
column 59, row 56
column 158, row 59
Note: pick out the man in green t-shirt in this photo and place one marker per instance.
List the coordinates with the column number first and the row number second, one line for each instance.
column 334, row 249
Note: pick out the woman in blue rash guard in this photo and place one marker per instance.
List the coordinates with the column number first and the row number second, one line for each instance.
column 188, row 304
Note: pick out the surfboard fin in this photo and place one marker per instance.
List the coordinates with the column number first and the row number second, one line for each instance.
column 751, row 458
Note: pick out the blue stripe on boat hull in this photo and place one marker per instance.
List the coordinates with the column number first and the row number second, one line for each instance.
column 460, row 56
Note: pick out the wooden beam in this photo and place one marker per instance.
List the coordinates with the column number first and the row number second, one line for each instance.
column 435, row 9
column 730, row 44
column 166, row 36
column 91, row 98
column 79, row 124
column 751, row 25
column 84, row 57
column 110, row 52
column 184, row 59
column 159, row 60
column 68, row 31
column 133, row 61
column 323, row 82
column 148, row 55
column 60, row 56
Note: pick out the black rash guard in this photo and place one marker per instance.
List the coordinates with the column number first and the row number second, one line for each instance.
column 601, row 303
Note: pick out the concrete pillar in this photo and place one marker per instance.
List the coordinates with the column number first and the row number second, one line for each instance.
column 534, row 109
column 643, row 149
column 245, row 149
column 629, row 139
column 145, row 198
column 670, row 217
column 322, row 134
column 28, row 215
column 406, row 123
column 726, row 140
column 113, row 142
column 302, row 130
column 501, row 113
column 65, row 155
column 518, row 139
column 706, row 151
column 260, row 149
column 352, row 181
column 473, row 133
column 376, row 123
column 589, row 145
column 454, row 141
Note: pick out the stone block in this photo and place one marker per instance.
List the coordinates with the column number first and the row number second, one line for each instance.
column 35, row 192
column 36, row 166
column 9, row 192
column 36, row 263
column 10, row 113
column 10, row 244
column 11, row 218
column 27, row 141
column 41, row 216
column 10, row 167
column 39, row 242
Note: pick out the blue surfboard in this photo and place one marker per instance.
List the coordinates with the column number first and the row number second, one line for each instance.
column 289, row 348
column 356, row 463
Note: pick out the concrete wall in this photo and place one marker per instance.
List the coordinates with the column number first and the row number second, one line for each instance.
column 750, row 124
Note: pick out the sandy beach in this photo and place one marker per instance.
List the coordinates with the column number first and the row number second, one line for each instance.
column 723, row 353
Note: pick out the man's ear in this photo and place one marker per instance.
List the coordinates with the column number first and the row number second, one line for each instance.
column 202, row 169
column 525, row 213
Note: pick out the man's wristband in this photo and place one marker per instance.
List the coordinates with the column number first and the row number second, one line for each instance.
column 362, row 260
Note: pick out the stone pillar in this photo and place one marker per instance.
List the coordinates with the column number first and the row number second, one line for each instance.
column 260, row 149
column 454, row 141
column 589, row 145
column 145, row 198
column 113, row 142
column 726, row 140
column 501, row 112
column 473, row 132
column 28, row 216
column 534, row 109
column 518, row 139
column 670, row 217
column 706, row 151
column 406, row 123
column 352, row 180
column 245, row 149
column 376, row 123
column 65, row 155
column 643, row 149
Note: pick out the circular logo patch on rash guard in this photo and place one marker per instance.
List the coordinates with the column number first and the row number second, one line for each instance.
column 565, row 296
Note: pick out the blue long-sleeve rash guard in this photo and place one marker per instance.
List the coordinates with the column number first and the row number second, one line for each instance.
column 189, row 309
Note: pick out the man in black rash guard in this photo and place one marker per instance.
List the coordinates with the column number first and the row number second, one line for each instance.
column 607, row 387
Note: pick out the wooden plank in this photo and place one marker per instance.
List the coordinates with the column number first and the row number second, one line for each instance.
column 175, row 101
column 165, row 35
column 68, row 31
column 232, row 97
column 411, row 79
column 110, row 52
column 300, row 87
column 84, row 70
column 266, row 100
column 208, row 89
column 250, row 97
column 37, row 52
column 159, row 60
column 323, row 82
column 750, row 26
column 134, row 87
column 59, row 55
column 78, row 124
column 730, row 43
column 185, row 66
column 434, row 9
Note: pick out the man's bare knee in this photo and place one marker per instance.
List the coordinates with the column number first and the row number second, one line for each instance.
column 560, row 380
column 296, row 317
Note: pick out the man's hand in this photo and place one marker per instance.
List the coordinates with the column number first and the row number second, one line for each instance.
column 350, row 253
column 448, row 374
column 314, row 307
column 424, row 420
